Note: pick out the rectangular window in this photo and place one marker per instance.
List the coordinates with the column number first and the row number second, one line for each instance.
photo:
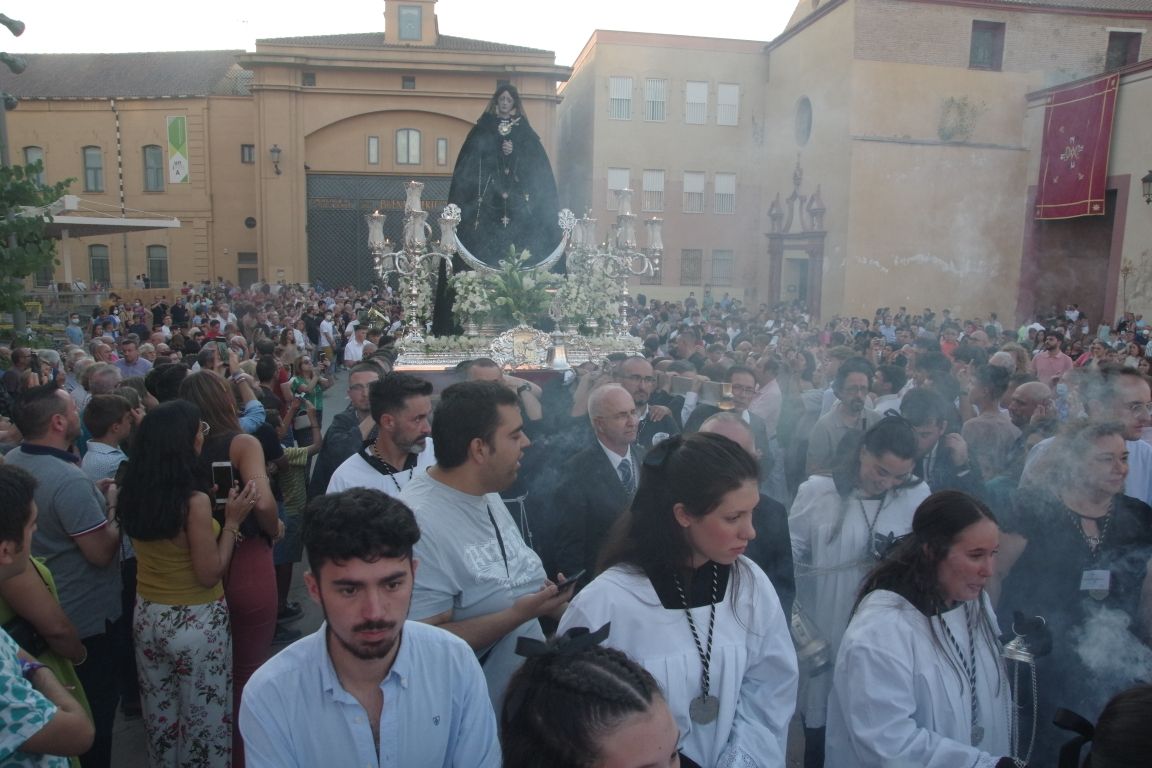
column 247, row 153
column 408, row 82
column 153, row 168
column 724, row 199
column 441, row 151
column 653, row 190
column 408, row 146
column 619, row 98
column 1123, row 49
column 727, row 104
column 987, row 50
column 655, row 100
column 44, row 275
column 696, row 102
column 93, row 169
column 373, row 150
column 246, row 257
column 722, row 267
column 410, row 22
column 308, row 79
column 35, row 155
column 694, row 191
column 691, row 261
column 98, row 269
column 618, row 178
column 158, row 266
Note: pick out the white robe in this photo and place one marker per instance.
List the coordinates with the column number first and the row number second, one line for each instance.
column 897, row 702
column 832, row 554
column 753, row 666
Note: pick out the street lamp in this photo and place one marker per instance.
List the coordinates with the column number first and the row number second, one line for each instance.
column 1146, row 182
column 275, row 153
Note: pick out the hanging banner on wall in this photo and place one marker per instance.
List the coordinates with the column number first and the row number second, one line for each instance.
column 1074, row 158
column 178, row 150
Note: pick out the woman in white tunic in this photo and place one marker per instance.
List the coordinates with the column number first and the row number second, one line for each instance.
column 919, row 679
column 686, row 604
column 840, row 525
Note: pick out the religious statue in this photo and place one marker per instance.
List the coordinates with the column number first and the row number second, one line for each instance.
column 504, row 187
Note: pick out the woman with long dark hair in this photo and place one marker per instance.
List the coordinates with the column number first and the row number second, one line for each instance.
column 684, row 601
column 840, row 525
column 250, row 582
column 180, row 625
column 919, row 679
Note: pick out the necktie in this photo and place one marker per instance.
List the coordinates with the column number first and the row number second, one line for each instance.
column 625, row 470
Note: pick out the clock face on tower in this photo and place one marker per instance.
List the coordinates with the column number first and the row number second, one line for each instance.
column 410, row 22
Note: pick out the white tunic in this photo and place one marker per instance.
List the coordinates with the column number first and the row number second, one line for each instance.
column 898, row 702
column 832, row 553
column 753, row 666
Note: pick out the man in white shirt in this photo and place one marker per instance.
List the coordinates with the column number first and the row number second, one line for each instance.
column 401, row 404
column 370, row 687
column 354, row 349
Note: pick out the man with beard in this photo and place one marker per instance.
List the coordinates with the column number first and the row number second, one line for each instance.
column 1051, row 363
column 79, row 538
column 400, row 404
column 851, row 385
column 349, row 428
column 657, row 424
column 478, row 579
column 371, row 687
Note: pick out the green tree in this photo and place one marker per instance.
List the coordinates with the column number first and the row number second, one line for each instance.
column 25, row 245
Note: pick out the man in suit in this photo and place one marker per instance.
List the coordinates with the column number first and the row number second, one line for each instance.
column 597, row 484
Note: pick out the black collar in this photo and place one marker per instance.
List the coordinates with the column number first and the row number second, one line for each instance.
column 382, row 466
column 46, row 450
column 698, row 590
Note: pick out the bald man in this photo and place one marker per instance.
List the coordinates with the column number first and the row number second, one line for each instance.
column 1026, row 399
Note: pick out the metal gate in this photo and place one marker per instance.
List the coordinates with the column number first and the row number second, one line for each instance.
column 337, row 233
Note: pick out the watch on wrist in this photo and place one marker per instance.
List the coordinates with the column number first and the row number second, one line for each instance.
column 28, row 668
column 523, row 388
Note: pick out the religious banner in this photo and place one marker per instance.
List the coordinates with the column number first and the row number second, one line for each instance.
column 178, row 150
column 1074, row 157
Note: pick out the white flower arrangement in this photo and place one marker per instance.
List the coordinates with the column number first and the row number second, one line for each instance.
column 472, row 295
column 588, row 293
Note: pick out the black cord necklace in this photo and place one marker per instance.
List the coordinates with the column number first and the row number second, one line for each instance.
column 704, row 708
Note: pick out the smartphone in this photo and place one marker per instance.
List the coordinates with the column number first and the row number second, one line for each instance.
column 223, row 479
column 571, row 580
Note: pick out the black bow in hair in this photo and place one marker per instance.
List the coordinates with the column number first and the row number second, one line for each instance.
column 575, row 640
column 1070, row 721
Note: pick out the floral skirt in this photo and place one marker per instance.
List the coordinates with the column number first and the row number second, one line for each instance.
column 184, row 664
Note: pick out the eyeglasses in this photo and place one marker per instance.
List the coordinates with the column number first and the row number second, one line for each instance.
column 740, row 389
column 1139, row 407
column 636, row 378
column 205, row 428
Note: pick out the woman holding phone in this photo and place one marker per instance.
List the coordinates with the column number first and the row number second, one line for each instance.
column 181, row 628
column 250, row 582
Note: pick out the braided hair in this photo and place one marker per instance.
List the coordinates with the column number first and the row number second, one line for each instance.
column 560, row 704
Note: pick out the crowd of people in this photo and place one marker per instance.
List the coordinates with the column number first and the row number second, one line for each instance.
column 664, row 558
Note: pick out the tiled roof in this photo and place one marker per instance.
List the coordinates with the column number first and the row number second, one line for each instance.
column 128, row 75
column 375, row 40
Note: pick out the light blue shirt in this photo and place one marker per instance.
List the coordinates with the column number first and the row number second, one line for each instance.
column 252, row 416
column 436, row 709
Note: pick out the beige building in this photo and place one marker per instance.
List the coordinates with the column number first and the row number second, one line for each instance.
column 680, row 121
column 914, row 118
column 287, row 146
